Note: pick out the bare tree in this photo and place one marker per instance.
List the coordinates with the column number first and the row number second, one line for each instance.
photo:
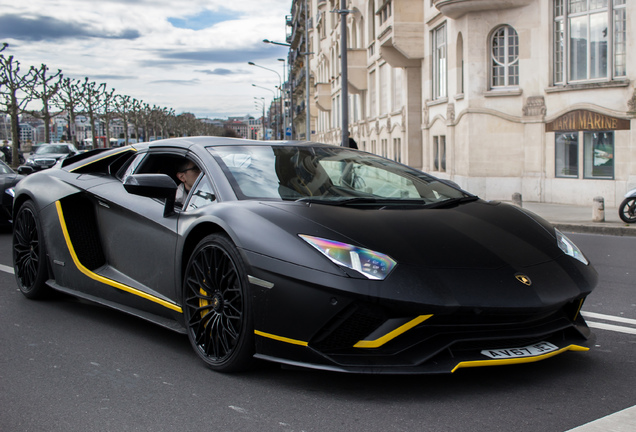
column 45, row 88
column 91, row 96
column 124, row 107
column 13, row 83
column 145, row 120
column 181, row 127
column 167, row 126
column 136, row 109
column 68, row 99
column 108, row 112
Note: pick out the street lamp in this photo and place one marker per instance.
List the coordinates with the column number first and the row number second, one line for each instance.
column 280, row 82
column 306, row 54
column 262, row 101
column 268, row 89
column 273, row 100
column 344, row 90
column 283, row 101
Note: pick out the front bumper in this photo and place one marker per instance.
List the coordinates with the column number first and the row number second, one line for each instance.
column 306, row 321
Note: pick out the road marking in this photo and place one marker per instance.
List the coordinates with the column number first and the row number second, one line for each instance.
column 622, row 421
column 609, row 318
column 6, row 269
column 611, row 327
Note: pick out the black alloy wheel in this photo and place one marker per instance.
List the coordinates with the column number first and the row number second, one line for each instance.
column 627, row 210
column 216, row 306
column 29, row 253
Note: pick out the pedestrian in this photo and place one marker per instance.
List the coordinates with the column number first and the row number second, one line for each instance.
column 352, row 143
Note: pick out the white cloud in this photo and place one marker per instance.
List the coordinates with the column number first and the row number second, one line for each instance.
column 189, row 55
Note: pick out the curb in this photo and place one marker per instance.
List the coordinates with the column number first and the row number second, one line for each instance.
column 626, row 231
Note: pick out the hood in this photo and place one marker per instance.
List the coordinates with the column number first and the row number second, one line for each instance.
column 476, row 234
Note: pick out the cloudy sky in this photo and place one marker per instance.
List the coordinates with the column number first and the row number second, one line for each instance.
column 189, row 55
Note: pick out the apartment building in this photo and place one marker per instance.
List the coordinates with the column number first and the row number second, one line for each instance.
column 501, row 96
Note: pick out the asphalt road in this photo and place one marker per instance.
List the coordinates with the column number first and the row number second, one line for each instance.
column 70, row 366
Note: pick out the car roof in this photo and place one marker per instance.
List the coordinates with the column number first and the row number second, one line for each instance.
column 207, row 141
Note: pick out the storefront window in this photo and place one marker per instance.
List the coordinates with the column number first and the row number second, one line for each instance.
column 598, row 155
column 567, row 155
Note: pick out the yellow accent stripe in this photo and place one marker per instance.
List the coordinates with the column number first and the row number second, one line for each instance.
column 578, row 310
column 102, row 279
column 280, row 338
column 393, row 334
column 479, row 363
column 104, row 157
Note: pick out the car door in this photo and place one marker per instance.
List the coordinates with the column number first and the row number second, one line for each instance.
column 138, row 240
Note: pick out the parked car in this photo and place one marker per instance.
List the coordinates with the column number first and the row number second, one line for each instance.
column 35, row 147
column 46, row 156
column 8, row 180
column 304, row 254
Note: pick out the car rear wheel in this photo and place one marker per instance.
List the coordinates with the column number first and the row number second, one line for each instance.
column 216, row 306
column 29, row 253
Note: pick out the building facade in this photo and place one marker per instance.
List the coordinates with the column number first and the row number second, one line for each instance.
column 502, row 96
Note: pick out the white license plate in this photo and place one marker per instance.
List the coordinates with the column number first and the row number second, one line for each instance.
column 527, row 351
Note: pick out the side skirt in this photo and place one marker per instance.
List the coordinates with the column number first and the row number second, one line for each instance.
column 155, row 319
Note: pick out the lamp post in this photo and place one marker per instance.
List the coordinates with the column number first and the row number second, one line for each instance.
column 262, row 101
column 308, row 118
column 274, row 99
column 344, row 90
column 265, row 88
column 280, row 81
column 282, row 101
column 306, row 54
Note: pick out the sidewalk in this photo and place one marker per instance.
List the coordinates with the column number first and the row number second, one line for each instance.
column 578, row 219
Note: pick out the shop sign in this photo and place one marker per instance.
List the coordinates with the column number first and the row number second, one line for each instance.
column 583, row 120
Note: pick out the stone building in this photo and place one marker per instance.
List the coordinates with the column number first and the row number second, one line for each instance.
column 501, row 96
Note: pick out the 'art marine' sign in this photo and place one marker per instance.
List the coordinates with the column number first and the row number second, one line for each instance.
column 583, row 120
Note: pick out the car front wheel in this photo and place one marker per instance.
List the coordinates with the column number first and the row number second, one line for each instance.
column 29, row 253
column 216, row 306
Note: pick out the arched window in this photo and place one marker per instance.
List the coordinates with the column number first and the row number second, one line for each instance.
column 353, row 35
column 504, row 54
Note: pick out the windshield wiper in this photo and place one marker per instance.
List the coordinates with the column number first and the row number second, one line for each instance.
column 362, row 200
column 335, row 202
column 453, row 201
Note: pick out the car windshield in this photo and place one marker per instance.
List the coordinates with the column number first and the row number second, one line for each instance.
column 52, row 149
column 329, row 175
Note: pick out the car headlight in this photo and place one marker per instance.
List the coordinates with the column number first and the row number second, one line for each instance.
column 30, row 162
column 373, row 265
column 10, row 192
column 569, row 248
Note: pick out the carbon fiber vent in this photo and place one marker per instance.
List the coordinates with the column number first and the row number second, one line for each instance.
column 81, row 224
column 353, row 325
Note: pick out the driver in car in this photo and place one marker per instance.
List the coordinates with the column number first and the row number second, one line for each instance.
column 187, row 173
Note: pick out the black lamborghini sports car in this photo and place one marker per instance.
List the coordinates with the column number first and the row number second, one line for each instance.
column 303, row 254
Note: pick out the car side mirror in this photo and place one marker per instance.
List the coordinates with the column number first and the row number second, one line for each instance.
column 159, row 186
column 25, row 170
